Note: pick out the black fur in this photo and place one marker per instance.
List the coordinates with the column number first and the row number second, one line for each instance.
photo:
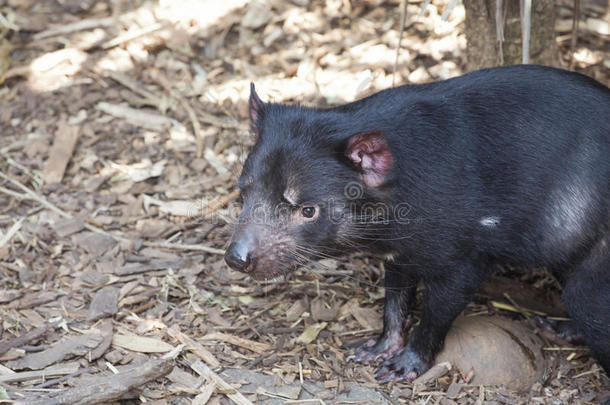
column 503, row 165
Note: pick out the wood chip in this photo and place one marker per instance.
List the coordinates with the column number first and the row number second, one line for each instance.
column 104, row 303
column 140, row 118
column 67, row 348
column 8, row 296
column 436, row 371
column 23, row 339
column 94, row 243
column 367, row 317
column 68, row 227
column 185, row 379
column 206, row 393
column 321, row 312
column 141, row 344
column 106, row 329
column 61, row 152
column 106, row 389
column 135, row 268
column 53, row 371
column 296, row 310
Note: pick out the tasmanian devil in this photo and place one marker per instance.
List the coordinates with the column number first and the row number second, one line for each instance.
column 444, row 180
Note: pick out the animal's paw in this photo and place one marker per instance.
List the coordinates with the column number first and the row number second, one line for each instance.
column 405, row 365
column 375, row 350
column 565, row 330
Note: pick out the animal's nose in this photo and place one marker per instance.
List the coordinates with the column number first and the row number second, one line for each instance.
column 238, row 257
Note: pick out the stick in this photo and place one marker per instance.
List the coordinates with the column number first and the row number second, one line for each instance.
column 33, row 375
column 403, row 19
column 182, row 246
column 166, row 84
column 208, row 211
column 448, row 10
column 526, row 26
column 574, row 40
column 131, row 35
column 109, row 388
column 234, row 395
column 194, row 346
column 23, row 339
column 42, row 201
column 500, row 28
column 74, row 27
column 256, row 347
column 11, row 232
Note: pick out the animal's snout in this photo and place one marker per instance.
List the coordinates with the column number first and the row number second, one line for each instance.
column 238, row 257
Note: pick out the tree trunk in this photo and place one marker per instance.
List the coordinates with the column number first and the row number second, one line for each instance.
column 483, row 49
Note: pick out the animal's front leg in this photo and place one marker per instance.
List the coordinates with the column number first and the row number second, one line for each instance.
column 399, row 302
column 444, row 299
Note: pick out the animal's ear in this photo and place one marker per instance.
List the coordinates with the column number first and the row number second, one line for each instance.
column 370, row 153
column 256, row 109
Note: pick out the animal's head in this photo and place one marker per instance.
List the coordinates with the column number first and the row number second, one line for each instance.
column 304, row 185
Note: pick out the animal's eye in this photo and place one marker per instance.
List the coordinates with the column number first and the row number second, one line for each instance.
column 308, row 212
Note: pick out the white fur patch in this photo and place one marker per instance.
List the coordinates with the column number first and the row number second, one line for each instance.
column 291, row 196
column 390, row 256
column 490, row 222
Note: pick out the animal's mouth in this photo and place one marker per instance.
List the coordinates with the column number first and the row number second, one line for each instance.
column 250, row 267
column 265, row 269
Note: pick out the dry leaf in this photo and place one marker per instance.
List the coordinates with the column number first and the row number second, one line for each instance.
column 311, row 332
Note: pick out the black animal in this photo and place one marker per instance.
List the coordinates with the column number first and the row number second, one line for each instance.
column 503, row 165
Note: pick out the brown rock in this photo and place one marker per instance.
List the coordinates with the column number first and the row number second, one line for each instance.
column 500, row 351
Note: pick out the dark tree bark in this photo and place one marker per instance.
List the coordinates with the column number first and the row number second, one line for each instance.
column 483, row 49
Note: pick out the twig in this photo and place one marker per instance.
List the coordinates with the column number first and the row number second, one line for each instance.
column 42, row 201
column 521, row 310
column 403, row 19
column 424, row 6
column 133, row 85
column 214, row 206
column 526, row 27
column 256, row 347
column 11, row 232
column 194, row 346
column 8, row 24
column 500, row 28
column 166, row 84
column 14, row 194
column 200, row 368
column 23, row 339
column 80, row 25
column 131, row 35
column 594, row 370
column 19, row 166
column 33, row 375
column 574, row 40
column 448, row 10
column 50, row 383
column 182, row 246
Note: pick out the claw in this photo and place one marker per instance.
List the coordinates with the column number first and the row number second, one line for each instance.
column 411, row 376
column 375, row 350
column 406, row 365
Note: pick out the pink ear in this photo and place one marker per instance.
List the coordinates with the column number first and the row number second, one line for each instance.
column 371, row 153
column 255, row 107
